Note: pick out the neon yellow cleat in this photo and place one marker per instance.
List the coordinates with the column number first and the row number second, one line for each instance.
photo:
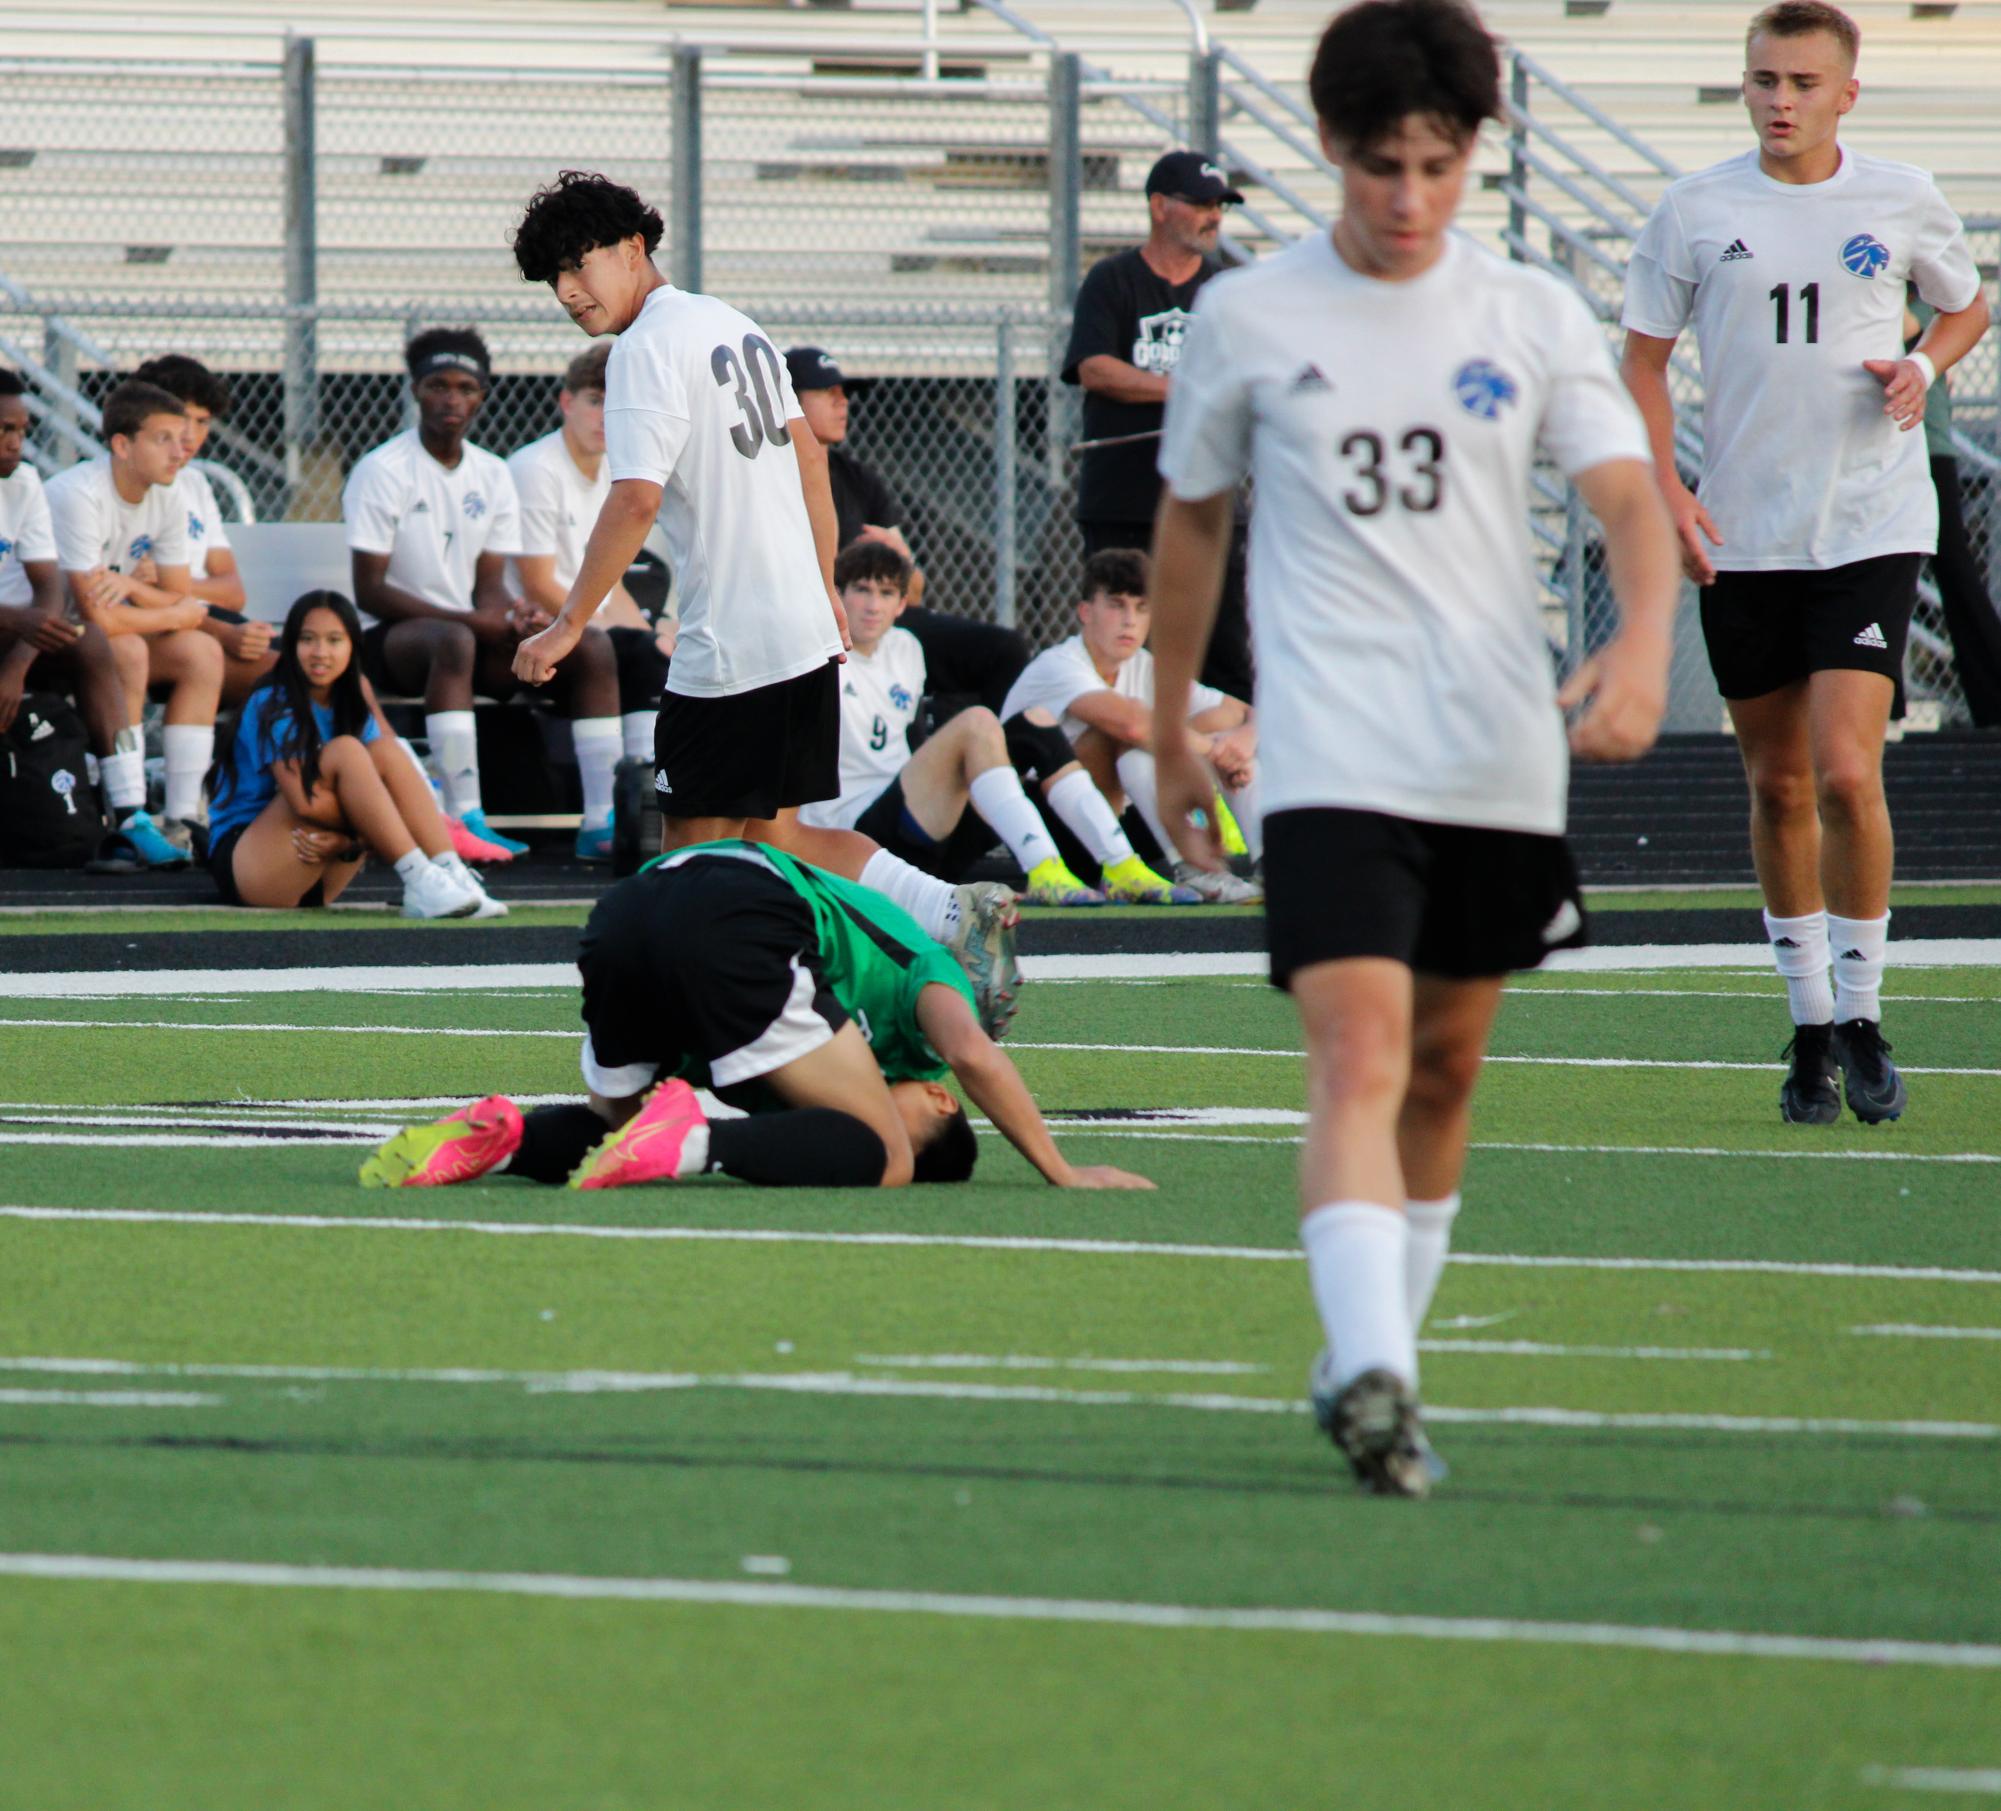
column 472, row 1141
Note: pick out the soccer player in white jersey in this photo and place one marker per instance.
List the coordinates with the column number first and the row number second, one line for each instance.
column 704, row 434
column 1815, row 503
column 1098, row 684
column 562, row 483
column 117, row 518
column 247, row 652
column 941, row 807
column 432, row 521
column 1386, row 386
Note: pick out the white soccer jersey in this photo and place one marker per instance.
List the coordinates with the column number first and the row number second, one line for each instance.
column 1790, row 287
column 879, row 696
column 559, row 505
column 1057, row 677
column 432, row 521
column 1391, row 429
column 96, row 527
column 205, row 527
column 697, row 402
column 26, row 533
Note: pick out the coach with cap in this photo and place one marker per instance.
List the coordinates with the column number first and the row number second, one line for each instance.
column 966, row 661
column 1125, row 340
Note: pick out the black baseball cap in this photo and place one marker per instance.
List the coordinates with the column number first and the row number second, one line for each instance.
column 813, row 369
column 1191, row 176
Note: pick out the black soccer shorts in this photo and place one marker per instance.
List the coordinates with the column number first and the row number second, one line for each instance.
column 750, row 754
column 1767, row 630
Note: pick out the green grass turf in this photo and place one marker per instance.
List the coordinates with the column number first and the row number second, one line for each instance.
column 224, row 1695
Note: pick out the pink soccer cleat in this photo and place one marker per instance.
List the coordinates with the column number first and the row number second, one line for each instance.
column 472, row 1141
column 469, row 846
column 651, row 1145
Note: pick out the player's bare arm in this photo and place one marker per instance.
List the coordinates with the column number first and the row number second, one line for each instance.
column 378, row 597
column 1946, row 340
column 818, row 490
column 1105, row 375
column 1623, row 688
column 1191, row 541
column 620, row 532
column 493, row 601
column 994, row 1085
column 122, row 605
column 1645, row 371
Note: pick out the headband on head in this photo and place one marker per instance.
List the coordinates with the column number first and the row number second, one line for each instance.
column 433, row 362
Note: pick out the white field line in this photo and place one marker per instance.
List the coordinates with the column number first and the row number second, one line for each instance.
column 737, row 1593
column 1117, row 1248
column 216, row 1141
column 1530, row 1348
column 1540, row 1062
column 108, row 1399
column 1980, row 1782
column 847, row 1384
column 387, row 1031
column 1765, row 994
column 1914, row 952
column 1018, row 1361
column 167, row 1118
column 1903, row 1332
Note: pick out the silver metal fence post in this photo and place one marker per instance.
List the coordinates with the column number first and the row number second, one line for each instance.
column 413, row 324
column 1576, row 603
column 1205, row 103
column 1004, row 474
column 1518, row 162
column 59, row 355
column 685, row 203
column 1065, row 214
column 302, row 281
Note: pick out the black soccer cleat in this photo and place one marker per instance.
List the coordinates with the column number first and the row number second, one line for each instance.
column 1808, row 1097
column 1374, row 1421
column 1874, row 1088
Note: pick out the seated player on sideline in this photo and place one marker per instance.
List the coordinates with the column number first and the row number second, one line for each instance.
column 309, row 786
column 114, row 518
column 246, row 645
column 562, row 483
column 1099, row 685
column 804, row 998
column 431, row 522
column 941, row 807
column 36, row 636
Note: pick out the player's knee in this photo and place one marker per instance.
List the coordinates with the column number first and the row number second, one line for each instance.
column 131, row 656
column 1443, row 1075
column 1036, row 746
column 1357, row 1058
column 1783, row 792
column 593, row 654
column 447, row 649
column 342, row 754
column 1849, row 787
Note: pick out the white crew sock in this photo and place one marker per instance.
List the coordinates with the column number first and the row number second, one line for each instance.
column 455, row 755
column 1427, row 1238
column 1355, row 1262
column 1075, row 799
column 1244, row 807
column 1858, row 945
column 1135, row 771
column 408, row 867
column 124, row 777
column 999, row 799
column 1799, row 948
column 189, row 748
column 926, row 898
column 635, row 731
column 597, row 743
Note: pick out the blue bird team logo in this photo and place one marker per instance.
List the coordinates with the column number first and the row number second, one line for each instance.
column 1483, row 388
column 475, row 506
column 6, row 547
column 141, row 548
column 197, row 528
column 899, row 695
column 1864, row 255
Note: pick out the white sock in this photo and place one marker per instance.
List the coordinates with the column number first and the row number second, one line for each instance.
column 124, row 780
column 455, row 756
column 1355, row 1262
column 1799, row 948
column 999, row 799
column 189, row 748
column 1427, row 1238
column 1077, row 801
column 1245, row 809
column 1858, row 965
column 408, row 867
column 926, row 898
column 635, row 731
column 597, row 743
column 1136, row 776
column 417, row 761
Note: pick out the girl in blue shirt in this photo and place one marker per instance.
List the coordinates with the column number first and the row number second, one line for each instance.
column 311, row 785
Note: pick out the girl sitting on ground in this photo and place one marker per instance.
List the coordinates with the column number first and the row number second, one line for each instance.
column 311, row 784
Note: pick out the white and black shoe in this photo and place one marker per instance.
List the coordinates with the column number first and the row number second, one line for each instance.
column 1374, row 1421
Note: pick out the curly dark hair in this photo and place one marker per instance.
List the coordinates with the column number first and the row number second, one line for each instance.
column 1384, row 60
column 575, row 214
column 189, row 379
column 864, row 562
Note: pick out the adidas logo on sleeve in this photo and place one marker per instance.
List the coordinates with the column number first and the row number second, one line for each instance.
column 1872, row 637
column 1310, row 377
column 1735, row 250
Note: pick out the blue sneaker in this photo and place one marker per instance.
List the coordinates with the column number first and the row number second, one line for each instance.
column 151, row 845
column 594, row 845
column 475, row 821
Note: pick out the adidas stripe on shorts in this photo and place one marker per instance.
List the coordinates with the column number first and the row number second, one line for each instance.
column 1766, row 630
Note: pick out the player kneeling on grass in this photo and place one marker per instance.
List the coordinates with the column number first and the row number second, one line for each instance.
column 940, row 808
column 805, row 999
column 310, row 786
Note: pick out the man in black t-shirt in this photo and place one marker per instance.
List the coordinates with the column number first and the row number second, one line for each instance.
column 1125, row 340
column 967, row 661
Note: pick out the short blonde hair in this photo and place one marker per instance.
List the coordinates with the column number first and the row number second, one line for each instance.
column 1797, row 18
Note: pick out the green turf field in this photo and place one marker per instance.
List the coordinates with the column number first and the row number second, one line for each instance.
column 992, row 1496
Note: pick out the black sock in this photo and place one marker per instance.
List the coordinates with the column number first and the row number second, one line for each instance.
column 554, row 1140
column 802, row 1147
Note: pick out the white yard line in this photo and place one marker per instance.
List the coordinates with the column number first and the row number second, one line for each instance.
column 107, row 1399
column 1018, row 1361
column 1548, row 1062
column 373, row 1031
column 1906, row 1332
column 737, row 1593
column 1978, row 1782
column 214, row 1141
column 1117, row 1248
column 1765, row 993
column 1530, row 1348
